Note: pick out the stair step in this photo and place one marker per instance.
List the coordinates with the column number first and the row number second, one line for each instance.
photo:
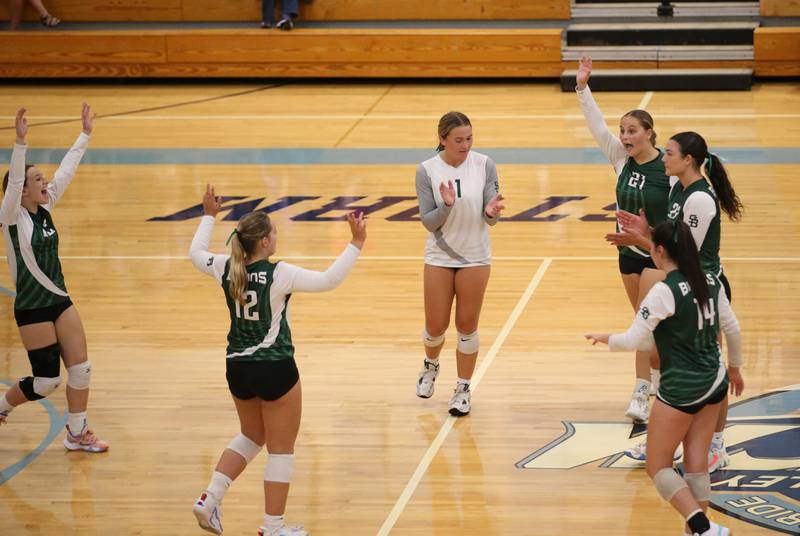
column 663, row 79
column 682, row 9
column 660, row 53
column 661, row 33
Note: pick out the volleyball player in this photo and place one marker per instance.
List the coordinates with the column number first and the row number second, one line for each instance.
column 684, row 314
column 260, row 367
column 458, row 199
column 49, row 324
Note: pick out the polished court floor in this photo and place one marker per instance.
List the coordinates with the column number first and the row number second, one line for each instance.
column 372, row 458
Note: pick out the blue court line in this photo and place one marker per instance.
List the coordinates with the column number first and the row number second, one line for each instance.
column 8, row 292
column 373, row 156
column 57, row 422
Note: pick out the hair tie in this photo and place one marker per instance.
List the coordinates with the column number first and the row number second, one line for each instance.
column 234, row 232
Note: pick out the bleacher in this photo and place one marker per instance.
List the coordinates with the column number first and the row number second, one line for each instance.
column 384, row 38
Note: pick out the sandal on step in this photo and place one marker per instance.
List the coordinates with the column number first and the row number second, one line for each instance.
column 50, row 21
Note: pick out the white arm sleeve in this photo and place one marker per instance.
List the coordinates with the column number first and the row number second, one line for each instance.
column 16, row 181
column 301, row 280
column 730, row 326
column 205, row 261
column 656, row 306
column 609, row 142
column 698, row 212
column 66, row 171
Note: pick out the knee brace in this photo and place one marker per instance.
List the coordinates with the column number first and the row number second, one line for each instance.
column 36, row 388
column 431, row 341
column 78, row 376
column 468, row 344
column 668, row 483
column 244, row 447
column 700, row 485
column 279, row 468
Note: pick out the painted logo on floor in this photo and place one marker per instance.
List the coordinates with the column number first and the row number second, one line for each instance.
column 760, row 485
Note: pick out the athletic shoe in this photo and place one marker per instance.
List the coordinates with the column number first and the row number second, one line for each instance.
column 638, row 410
column 286, row 530
column 4, row 416
column 460, row 403
column 716, row 530
column 86, row 441
column 285, row 24
column 427, row 377
column 717, row 458
column 206, row 510
column 639, row 452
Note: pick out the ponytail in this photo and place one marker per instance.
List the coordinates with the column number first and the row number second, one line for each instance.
column 677, row 239
column 244, row 239
column 729, row 202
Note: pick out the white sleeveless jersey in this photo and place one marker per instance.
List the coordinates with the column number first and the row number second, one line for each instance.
column 463, row 239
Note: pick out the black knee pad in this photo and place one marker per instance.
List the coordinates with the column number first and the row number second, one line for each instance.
column 46, row 362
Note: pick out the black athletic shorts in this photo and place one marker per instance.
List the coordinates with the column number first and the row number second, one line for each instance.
column 713, row 399
column 43, row 314
column 268, row 380
column 634, row 265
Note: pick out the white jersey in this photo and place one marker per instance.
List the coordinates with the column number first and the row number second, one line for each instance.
column 459, row 235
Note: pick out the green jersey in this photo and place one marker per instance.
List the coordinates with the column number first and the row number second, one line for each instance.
column 31, row 238
column 698, row 207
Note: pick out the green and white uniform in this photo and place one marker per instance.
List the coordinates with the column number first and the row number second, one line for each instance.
column 686, row 338
column 639, row 186
column 259, row 329
column 31, row 238
column 698, row 207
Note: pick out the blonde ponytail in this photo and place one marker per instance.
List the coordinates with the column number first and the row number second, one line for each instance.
column 251, row 229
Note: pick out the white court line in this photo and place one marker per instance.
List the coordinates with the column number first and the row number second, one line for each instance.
column 646, row 100
column 398, row 117
column 402, row 501
column 389, row 258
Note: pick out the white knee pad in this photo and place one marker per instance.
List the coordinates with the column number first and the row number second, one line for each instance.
column 44, row 387
column 468, row 344
column 431, row 341
column 700, row 485
column 279, row 468
column 668, row 483
column 79, row 376
column 244, row 447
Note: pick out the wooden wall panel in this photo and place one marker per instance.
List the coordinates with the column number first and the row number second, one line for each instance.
column 318, row 10
column 780, row 8
column 81, row 47
column 777, row 43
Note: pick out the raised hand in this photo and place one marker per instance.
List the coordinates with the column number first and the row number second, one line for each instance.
column 21, row 125
column 87, row 118
column 495, row 206
column 448, row 193
column 358, row 228
column 211, row 203
column 584, row 72
column 597, row 337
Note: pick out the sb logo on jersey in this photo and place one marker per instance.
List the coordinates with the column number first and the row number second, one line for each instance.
column 693, row 221
column 760, row 484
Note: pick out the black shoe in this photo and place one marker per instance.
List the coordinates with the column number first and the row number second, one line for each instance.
column 285, row 24
column 266, row 25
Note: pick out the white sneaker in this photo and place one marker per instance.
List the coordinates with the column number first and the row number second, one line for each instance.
column 639, row 452
column 638, row 410
column 206, row 510
column 716, row 530
column 460, row 403
column 427, row 377
column 85, row 441
column 286, row 530
column 717, row 458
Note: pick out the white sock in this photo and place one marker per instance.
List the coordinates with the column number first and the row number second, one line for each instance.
column 5, row 407
column 642, row 388
column 76, row 423
column 462, row 381
column 655, row 375
column 219, row 484
column 272, row 522
column 719, row 439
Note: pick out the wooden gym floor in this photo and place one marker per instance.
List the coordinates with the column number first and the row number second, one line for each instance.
column 372, row 458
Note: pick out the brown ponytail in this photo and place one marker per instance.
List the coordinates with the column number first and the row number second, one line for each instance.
column 251, row 228
column 677, row 239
